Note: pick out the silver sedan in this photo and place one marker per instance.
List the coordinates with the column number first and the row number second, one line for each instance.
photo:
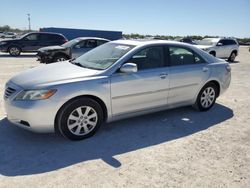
column 117, row 80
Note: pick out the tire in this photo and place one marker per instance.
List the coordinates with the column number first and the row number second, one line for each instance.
column 206, row 97
column 232, row 57
column 80, row 119
column 60, row 57
column 14, row 51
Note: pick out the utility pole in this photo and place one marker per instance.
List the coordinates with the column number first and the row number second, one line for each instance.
column 29, row 21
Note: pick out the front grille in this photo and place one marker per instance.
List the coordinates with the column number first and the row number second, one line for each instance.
column 8, row 92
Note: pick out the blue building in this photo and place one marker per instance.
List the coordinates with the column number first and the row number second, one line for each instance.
column 73, row 33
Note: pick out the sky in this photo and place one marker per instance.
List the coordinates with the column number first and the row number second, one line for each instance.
column 164, row 17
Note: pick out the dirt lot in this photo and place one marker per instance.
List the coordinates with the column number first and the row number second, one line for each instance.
column 177, row 148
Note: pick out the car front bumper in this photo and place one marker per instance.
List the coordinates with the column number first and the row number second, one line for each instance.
column 36, row 116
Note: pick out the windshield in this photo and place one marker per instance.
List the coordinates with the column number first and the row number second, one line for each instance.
column 103, row 56
column 207, row 41
column 70, row 43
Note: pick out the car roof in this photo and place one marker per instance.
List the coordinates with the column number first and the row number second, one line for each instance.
column 148, row 42
column 91, row 38
column 45, row 33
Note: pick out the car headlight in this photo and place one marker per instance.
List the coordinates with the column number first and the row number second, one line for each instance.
column 35, row 94
column 3, row 43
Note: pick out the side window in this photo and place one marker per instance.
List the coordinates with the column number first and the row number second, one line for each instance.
column 46, row 37
column 223, row 42
column 90, row 43
column 81, row 44
column 149, row 58
column 231, row 42
column 32, row 37
column 183, row 56
column 100, row 42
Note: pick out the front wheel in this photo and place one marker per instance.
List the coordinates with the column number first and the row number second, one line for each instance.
column 80, row 119
column 206, row 97
column 232, row 57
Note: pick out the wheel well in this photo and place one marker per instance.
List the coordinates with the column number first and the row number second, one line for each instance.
column 14, row 46
column 235, row 51
column 98, row 100
column 60, row 53
column 217, row 85
column 212, row 53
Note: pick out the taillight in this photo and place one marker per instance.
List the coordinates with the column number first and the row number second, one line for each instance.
column 65, row 40
column 228, row 68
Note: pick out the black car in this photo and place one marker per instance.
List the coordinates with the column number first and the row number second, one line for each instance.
column 187, row 40
column 31, row 42
column 71, row 49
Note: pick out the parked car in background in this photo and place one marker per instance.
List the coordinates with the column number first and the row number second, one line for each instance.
column 8, row 35
column 225, row 48
column 116, row 80
column 71, row 49
column 31, row 42
column 187, row 40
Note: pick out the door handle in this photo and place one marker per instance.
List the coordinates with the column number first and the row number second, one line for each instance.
column 205, row 69
column 163, row 75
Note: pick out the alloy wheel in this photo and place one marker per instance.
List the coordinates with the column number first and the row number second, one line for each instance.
column 82, row 120
column 207, row 97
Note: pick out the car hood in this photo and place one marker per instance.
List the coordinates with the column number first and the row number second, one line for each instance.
column 51, row 74
column 203, row 46
column 49, row 48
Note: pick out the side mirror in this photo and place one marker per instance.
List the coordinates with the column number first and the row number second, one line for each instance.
column 128, row 68
column 219, row 44
column 77, row 46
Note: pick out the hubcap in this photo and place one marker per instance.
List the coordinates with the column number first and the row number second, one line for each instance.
column 82, row 120
column 14, row 51
column 61, row 59
column 207, row 97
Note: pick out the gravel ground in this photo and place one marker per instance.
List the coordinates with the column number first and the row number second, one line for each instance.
column 176, row 148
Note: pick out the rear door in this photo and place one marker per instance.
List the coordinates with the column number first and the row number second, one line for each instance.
column 188, row 72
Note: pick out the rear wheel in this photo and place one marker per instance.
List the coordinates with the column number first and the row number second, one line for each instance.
column 80, row 119
column 232, row 57
column 206, row 97
column 14, row 51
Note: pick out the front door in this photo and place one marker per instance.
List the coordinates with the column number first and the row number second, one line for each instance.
column 145, row 89
column 31, row 42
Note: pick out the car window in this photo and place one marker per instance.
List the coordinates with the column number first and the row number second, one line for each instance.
column 81, row 44
column 100, row 42
column 231, row 42
column 183, row 56
column 90, row 44
column 32, row 37
column 149, row 58
column 223, row 42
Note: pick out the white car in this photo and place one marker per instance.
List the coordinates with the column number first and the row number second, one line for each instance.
column 225, row 48
column 8, row 35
